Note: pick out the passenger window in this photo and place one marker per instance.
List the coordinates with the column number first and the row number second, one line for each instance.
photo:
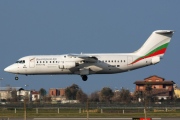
column 37, row 61
column 50, row 62
column 117, row 65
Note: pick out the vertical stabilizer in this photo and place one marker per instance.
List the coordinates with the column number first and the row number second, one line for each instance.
column 156, row 44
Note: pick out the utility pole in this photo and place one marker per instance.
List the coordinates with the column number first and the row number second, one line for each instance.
column 87, row 108
column 0, row 88
column 0, row 83
column 24, row 108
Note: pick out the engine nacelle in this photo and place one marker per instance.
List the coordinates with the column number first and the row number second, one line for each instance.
column 155, row 60
column 67, row 65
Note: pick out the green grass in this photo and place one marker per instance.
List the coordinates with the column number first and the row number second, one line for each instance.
column 74, row 113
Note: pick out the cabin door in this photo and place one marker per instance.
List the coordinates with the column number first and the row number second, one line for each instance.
column 31, row 62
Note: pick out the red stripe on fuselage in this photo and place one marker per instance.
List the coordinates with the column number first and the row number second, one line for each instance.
column 162, row 51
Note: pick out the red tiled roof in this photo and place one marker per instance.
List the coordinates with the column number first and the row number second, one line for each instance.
column 154, row 83
column 35, row 92
column 154, row 76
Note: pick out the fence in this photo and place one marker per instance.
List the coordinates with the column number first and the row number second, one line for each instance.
column 98, row 107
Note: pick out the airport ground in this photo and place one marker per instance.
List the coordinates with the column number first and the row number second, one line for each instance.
column 84, row 119
column 98, row 111
column 76, row 114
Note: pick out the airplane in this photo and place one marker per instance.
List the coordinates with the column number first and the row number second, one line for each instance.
column 150, row 53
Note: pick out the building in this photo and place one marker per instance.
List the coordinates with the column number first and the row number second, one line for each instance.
column 35, row 95
column 176, row 91
column 57, row 94
column 161, row 88
column 24, row 94
column 17, row 94
column 7, row 92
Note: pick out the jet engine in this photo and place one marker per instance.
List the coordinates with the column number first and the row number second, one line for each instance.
column 67, row 65
column 155, row 60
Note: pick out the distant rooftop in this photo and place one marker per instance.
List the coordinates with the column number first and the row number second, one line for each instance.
column 10, row 88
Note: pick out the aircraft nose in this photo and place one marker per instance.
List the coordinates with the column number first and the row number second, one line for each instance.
column 10, row 69
column 7, row 69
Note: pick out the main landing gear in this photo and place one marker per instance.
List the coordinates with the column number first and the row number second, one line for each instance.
column 84, row 77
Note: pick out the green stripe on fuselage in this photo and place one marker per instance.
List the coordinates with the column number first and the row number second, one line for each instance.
column 158, row 48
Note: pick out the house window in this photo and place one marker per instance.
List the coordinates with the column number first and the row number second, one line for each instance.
column 157, row 86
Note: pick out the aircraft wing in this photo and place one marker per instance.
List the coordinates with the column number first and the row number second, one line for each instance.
column 87, row 58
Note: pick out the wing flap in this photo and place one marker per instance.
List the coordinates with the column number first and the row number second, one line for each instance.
column 87, row 58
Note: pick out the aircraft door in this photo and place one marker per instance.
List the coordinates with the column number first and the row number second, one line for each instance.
column 129, row 61
column 31, row 62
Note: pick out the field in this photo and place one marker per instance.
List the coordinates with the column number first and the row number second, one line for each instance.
column 79, row 112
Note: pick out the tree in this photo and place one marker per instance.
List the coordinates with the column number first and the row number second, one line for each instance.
column 147, row 97
column 125, row 96
column 148, row 92
column 94, row 97
column 106, row 94
column 71, row 91
column 138, row 95
column 14, row 95
column 81, row 96
column 42, row 93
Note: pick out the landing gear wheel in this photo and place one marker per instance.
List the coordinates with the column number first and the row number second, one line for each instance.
column 16, row 78
column 84, row 77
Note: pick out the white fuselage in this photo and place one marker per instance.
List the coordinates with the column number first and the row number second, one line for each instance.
column 63, row 64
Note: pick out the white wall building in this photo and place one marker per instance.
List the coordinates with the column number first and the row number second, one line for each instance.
column 35, row 95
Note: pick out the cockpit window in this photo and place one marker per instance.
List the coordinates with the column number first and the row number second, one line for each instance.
column 20, row 61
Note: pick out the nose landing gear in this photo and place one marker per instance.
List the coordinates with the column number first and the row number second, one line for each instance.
column 16, row 78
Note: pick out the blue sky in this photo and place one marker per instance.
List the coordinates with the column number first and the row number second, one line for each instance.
column 59, row 27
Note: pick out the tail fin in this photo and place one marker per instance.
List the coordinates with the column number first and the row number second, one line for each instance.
column 156, row 44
